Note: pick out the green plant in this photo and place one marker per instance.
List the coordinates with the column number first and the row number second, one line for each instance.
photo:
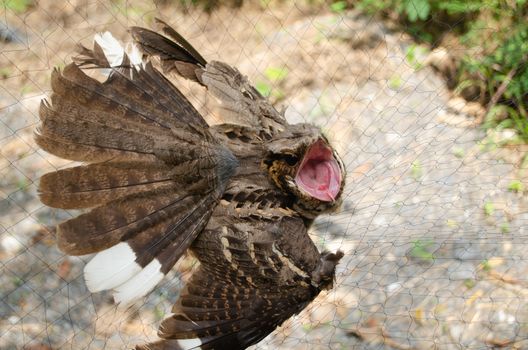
column 494, row 33
column 489, row 208
column 18, row 6
column 458, row 152
column 275, row 74
column 516, row 186
column 469, row 283
column 5, row 72
column 421, row 250
column 17, row 281
column 395, row 82
column 338, row 6
column 414, row 55
column 22, row 184
column 485, row 265
column 263, row 88
column 159, row 313
column 416, row 169
column 504, row 70
column 452, row 223
column 416, row 9
column 307, row 327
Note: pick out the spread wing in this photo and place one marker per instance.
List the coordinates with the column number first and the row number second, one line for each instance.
column 239, row 101
column 152, row 176
column 256, row 271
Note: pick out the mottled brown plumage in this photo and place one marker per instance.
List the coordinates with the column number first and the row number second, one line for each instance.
column 158, row 180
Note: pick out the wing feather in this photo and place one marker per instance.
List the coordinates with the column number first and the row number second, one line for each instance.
column 249, row 281
column 240, row 102
column 155, row 176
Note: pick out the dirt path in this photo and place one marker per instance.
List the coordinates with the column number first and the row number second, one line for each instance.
column 434, row 241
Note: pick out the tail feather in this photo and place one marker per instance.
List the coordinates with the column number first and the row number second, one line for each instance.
column 94, row 184
column 172, row 344
column 117, row 94
column 182, row 229
column 176, row 55
column 68, row 111
column 149, row 255
column 156, row 173
column 110, row 223
column 173, row 99
column 86, row 153
column 72, row 130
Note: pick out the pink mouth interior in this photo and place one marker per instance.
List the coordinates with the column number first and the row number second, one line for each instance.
column 319, row 174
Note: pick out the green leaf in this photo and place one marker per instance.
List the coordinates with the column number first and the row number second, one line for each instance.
column 485, row 265
column 413, row 54
column 307, row 327
column 452, row 223
column 420, row 250
column 276, row 74
column 159, row 313
column 417, row 9
column 458, row 152
column 5, row 72
column 22, row 184
column 263, row 88
column 516, row 186
column 416, row 169
column 460, row 6
column 338, row 6
column 395, row 82
column 489, row 208
column 18, row 6
column 469, row 283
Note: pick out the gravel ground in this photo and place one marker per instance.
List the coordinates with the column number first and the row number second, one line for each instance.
column 434, row 240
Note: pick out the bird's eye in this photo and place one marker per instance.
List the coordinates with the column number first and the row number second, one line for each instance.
column 291, row 159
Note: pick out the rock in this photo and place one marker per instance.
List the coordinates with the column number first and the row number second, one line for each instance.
column 472, row 109
column 442, row 61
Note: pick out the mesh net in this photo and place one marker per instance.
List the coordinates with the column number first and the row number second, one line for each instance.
column 434, row 240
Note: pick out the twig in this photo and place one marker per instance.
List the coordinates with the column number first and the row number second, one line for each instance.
column 502, row 87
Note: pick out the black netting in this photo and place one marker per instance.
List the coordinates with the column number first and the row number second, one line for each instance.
column 433, row 226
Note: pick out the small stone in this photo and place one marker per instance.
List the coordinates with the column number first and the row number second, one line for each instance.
column 13, row 319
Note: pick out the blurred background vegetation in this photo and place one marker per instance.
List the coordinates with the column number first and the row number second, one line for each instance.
column 486, row 41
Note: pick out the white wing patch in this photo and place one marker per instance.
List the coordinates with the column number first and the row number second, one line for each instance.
column 111, row 267
column 139, row 285
column 193, row 343
column 114, row 50
column 116, row 268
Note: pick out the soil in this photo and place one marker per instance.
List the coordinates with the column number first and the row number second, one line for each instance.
column 432, row 229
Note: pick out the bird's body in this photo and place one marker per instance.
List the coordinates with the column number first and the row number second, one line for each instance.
column 160, row 181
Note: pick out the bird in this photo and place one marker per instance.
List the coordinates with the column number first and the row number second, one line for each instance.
column 157, row 181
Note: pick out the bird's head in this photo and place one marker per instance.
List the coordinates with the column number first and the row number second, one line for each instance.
column 301, row 162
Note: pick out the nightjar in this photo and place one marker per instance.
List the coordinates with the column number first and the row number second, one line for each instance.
column 156, row 180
